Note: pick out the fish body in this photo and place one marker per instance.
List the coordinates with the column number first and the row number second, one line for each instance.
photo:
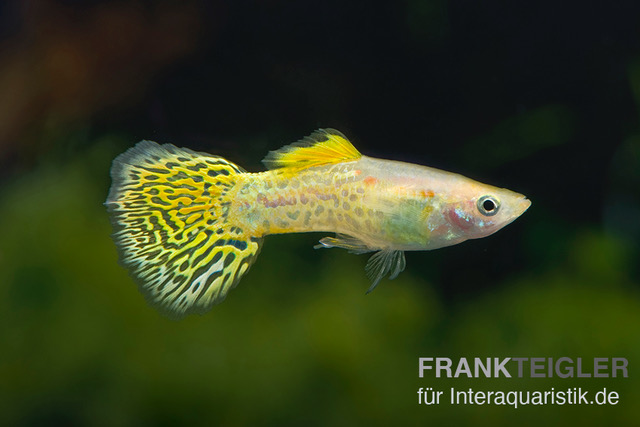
column 188, row 225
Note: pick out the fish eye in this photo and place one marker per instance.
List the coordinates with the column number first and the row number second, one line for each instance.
column 488, row 205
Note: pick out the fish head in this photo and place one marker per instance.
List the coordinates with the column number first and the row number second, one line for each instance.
column 478, row 210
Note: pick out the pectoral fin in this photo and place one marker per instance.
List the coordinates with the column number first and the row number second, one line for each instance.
column 386, row 261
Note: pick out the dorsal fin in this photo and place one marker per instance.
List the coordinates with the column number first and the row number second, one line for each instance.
column 322, row 147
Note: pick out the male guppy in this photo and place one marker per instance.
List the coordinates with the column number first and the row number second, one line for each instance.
column 189, row 225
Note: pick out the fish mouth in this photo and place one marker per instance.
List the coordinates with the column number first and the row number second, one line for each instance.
column 523, row 205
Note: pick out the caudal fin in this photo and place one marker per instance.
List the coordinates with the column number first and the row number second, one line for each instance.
column 170, row 211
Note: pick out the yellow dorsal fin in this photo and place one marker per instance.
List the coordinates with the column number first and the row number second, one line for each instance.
column 322, row 147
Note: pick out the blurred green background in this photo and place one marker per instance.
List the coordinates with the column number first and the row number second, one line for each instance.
column 540, row 97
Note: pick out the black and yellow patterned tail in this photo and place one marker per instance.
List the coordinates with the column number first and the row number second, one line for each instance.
column 170, row 209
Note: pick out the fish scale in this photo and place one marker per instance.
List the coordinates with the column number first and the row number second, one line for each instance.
column 189, row 225
column 323, row 198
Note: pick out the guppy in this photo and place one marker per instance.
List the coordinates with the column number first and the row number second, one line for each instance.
column 188, row 225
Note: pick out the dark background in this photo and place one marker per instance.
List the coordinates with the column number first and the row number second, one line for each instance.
column 539, row 97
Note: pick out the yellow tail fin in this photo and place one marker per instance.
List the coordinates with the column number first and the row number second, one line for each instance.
column 170, row 211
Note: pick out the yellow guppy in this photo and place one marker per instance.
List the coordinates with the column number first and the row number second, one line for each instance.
column 188, row 225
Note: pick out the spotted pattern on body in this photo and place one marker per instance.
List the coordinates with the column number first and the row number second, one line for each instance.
column 326, row 197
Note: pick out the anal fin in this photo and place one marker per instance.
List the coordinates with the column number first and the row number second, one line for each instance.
column 352, row 244
column 383, row 262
